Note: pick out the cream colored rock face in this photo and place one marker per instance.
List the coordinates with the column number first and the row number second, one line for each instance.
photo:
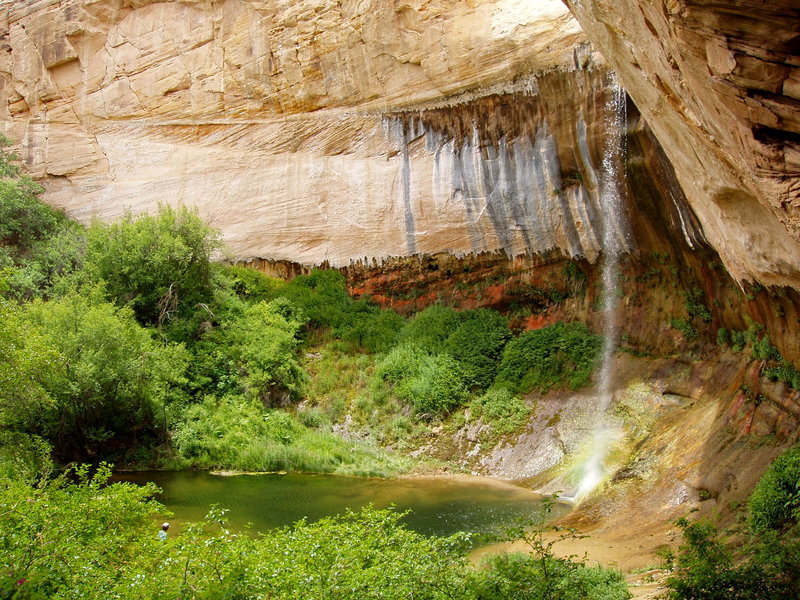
column 275, row 119
column 289, row 124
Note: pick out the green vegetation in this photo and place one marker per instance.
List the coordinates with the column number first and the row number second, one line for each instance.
column 125, row 341
column 158, row 265
column 695, row 305
column 775, row 501
column 777, row 367
column 686, row 328
column 432, row 383
column 84, row 374
column 234, row 433
column 562, row 354
column 763, row 562
column 92, row 540
column 252, row 353
column 503, row 411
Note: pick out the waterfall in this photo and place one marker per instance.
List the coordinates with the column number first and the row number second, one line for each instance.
column 613, row 245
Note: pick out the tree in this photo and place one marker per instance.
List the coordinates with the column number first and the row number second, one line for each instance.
column 94, row 372
column 158, row 265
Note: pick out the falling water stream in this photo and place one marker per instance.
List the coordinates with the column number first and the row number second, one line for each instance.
column 613, row 245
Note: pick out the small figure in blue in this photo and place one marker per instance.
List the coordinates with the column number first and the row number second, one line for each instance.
column 162, row 535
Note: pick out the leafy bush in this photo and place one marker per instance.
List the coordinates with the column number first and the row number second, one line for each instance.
column 24, row 219
column 562, row 354
column 738, row 340
column 74, row 540
column 322, row 295
column 693, row 300
column 430, row 328
column 473, row 338
column 254, row 354
column 764, row 564
column 521, row 576
column 703, row 568
column 94, row 372
column 433, row 383
column 504, row 411
column 477, row 344
column 764, row 350
column 724, row 337
column 775, row 501
column 158, row 265
column 370, row 327
column 251, row 284
column 24, row 458
column 784, row 371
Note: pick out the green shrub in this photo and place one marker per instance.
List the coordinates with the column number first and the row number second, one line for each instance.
column 251, row 284
column 430, row 328
column 473, row 338
column 500, row 408
column 764, row 350
column 477, row 344
column 786, row 372
column 23, row 457
column 686, row 328
column 705, row 569
column 95, row 375
column 520, row 576
column 433, row 383
column 562, row 354
column 254, row 354
column 24, row 218
column 738, row 340
column 370, row 327
column 723, row 337
column 693, row 300
column 322, row 295
column 158, row 265
column 775, row 501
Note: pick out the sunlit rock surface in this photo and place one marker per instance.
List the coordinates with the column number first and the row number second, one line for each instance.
column 317, row 131
column 719, row 82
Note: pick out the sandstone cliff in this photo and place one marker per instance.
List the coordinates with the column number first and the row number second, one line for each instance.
column 317, row 131
column 338, row 131
column 719, row 82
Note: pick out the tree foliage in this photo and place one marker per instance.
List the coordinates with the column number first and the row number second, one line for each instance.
column 158, row 265
column 775, row 501
column 86, row 372
column 562, row 354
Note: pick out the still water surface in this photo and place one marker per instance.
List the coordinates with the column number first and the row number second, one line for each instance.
column 439, row 505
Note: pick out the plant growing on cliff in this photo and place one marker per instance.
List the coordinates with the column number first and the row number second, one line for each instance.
column 503, row 411
column 764, row 564
column 562, row 354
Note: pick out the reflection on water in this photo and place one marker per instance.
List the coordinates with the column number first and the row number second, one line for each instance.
column 440, row 506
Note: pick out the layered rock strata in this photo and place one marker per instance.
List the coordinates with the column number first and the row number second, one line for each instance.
column 719, row 82
column 317, row 131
